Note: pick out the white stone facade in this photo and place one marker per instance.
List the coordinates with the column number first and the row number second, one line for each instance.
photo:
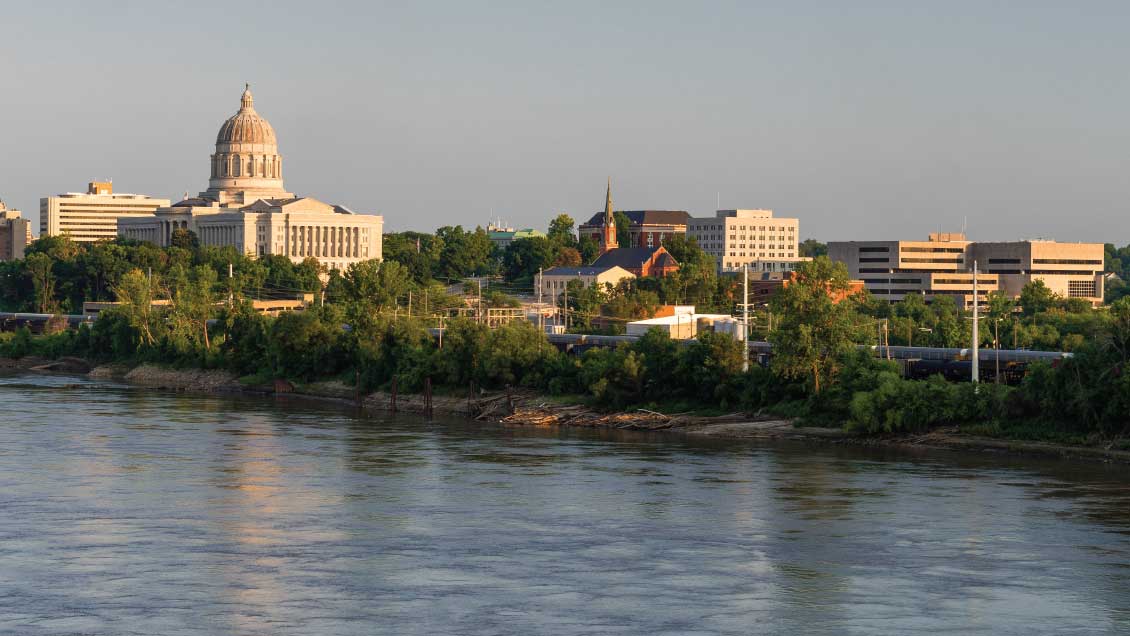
column 247, row 207
column 754, row 237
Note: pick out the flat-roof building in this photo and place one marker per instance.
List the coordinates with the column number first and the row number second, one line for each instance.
column 92, row 215
column 15, row 234
column 943, row 266
column 736, row 238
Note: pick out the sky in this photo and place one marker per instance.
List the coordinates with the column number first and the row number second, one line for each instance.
column 866, row 120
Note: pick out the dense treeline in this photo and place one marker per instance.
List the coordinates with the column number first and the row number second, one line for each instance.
column 361, row 335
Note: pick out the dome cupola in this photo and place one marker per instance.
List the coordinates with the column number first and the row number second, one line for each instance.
column 247, row 126
column 247, row 164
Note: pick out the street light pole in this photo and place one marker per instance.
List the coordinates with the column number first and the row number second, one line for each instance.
column 976, row 335
column 745, row 317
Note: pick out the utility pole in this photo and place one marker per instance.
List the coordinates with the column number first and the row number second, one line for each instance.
column 409, row 303
column 997, row 346
column 541, row 325
column 976, row 336
column 480, row 312
column 231, row 291
column 745, row 317
column 565, row 307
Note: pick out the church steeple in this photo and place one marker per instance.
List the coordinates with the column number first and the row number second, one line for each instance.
column 608, row 236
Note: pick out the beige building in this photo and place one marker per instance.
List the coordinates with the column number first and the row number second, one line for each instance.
column 15, row 234
column 754, row 237
column 554, row 281
column 247, row 207
column 93, row 215
column 943, row 265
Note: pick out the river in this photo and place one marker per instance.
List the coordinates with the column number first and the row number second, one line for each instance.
column 129, row 511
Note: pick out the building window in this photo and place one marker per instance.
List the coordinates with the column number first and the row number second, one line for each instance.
column 1081, row 289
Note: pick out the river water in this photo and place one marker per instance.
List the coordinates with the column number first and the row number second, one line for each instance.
column 127, row 511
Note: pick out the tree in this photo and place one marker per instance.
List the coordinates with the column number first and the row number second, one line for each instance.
column 463, row 253
column 588, row 248
column 40, row 268
column 185, row 239
column 623, row 229
column 813, row 332
column 1036, row 298
column 561, row 231
column 136, row 293
column 419, row 252
column 524, row 257
column 376, row 284
column 567, row 257
column 813, row 248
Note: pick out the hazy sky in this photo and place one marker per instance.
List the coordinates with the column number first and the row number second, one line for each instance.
column 878, row 120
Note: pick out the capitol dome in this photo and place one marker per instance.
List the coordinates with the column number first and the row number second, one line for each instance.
column 246, row 126
column 246, row 165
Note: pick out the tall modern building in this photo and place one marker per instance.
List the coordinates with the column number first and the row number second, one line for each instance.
column 92, row 215
column 943, row 266
column 247, row 207
column 15, row 234
column 736, row 238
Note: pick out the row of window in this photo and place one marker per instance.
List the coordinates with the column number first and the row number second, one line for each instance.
column 935, row 250
column 1066, row 261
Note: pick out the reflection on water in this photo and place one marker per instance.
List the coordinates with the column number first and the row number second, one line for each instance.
column 127, row 511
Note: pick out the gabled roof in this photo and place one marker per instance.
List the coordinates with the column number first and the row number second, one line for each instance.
column 591, row 270
column 647, row 217
column 629, row 257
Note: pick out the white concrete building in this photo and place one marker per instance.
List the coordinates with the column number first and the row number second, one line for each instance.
column 738, row 237
column 92, row 215
column 247, row 207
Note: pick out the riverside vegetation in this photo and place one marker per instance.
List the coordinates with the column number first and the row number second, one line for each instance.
column 359, row 332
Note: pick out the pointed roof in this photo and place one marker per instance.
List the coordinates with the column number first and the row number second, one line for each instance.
column 631, row 257
column 609, row 217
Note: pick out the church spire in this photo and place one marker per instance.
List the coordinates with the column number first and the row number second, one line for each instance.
column 608, row 235
column 609, row 218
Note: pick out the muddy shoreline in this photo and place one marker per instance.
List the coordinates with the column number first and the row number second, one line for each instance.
column 521, row 408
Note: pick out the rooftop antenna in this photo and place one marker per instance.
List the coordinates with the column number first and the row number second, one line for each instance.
column 964, row 222
column 718, row 201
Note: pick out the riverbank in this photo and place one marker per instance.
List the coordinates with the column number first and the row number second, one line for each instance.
column 524, row 408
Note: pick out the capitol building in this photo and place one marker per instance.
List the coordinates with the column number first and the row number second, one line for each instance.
column 247, row 207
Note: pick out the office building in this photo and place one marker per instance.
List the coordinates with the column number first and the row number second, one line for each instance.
column 736, row 238
column 943, row 265
column 92, row 215
column 15, row 234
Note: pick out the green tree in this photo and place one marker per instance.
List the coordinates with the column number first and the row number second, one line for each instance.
column 40, row 268
column 464, row 253
column 523, row 258
column 136, row 292
column 623, row 229
column 184, row 239
column 813, row 248
column 813, row 332
column 1035, row 298
column 561, row 231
